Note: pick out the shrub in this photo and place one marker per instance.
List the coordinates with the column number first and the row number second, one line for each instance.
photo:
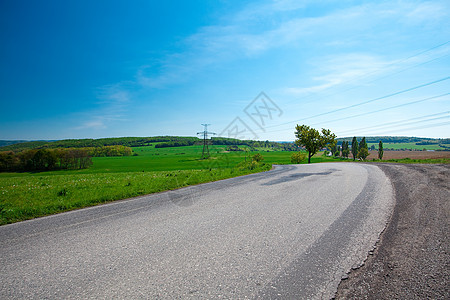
column 257, row 157
column 297, row 157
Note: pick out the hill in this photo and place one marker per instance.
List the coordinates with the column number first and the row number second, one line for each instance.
column 161, row 141
column 390, row 142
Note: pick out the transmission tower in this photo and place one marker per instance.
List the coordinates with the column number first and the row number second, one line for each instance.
column 205, row 133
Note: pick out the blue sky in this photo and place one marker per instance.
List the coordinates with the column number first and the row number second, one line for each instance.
column 251, row 69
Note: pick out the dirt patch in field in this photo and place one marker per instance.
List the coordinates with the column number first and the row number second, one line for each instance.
column 410, row 154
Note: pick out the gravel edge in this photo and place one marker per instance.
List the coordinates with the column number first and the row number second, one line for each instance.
column 412, row 258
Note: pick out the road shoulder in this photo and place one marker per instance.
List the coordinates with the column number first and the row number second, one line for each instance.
column 412, row 258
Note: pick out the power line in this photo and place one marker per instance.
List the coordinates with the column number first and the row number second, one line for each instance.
column 384, row 124
column 422, row 127
column 363, row 103
column 384, row 109
column 397, row 122
column 389, row 65
column 409, row 123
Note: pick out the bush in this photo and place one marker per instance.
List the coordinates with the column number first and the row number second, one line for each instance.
column 257, row 157
column 297, row 157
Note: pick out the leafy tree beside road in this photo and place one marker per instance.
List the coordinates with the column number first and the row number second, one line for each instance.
column 313, row 140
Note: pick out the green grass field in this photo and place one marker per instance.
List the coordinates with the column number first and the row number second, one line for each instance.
column 28, row 195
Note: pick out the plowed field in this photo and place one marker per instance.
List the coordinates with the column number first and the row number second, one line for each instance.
column 410, row 154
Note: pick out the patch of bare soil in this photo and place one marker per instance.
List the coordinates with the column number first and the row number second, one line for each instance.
column 412, row 259
column 409, row 154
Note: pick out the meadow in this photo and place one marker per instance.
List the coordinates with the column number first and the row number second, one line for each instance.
column 34, row 194
column 29, row 195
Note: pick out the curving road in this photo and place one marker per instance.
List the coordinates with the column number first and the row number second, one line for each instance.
column 292, row 232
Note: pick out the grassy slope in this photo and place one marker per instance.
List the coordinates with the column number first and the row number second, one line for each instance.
column 28, row 195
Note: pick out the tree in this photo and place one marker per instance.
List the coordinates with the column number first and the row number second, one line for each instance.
column 362, row 143
column 345, row 150
column 380, row 150
column 313, row 140
column 297, row 157
column 363, row 150
column 354, row 147
column 338, row 151
column 334, row 150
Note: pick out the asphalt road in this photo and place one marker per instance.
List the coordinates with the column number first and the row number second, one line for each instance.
column 292, row 232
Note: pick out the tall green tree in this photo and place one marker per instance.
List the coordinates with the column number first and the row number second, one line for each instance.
column 338, row 151
column 363, row 150
column 380, row 150
column 313, row 140
column 354, row 147
column 345, row 150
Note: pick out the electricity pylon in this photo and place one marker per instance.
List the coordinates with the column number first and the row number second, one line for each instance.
column 205, row 152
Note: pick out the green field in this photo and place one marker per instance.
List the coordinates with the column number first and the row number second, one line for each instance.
column 28, row 195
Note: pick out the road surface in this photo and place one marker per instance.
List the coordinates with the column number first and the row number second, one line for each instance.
column 292, row 232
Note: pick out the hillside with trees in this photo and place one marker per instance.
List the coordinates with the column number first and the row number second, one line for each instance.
column 158, row 141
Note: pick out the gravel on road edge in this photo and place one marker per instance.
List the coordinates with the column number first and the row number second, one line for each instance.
column 411, row 259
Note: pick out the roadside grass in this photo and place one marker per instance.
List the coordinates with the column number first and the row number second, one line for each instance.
column 27, row 197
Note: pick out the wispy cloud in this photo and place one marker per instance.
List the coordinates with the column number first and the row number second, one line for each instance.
column 277, row 25
column 340, row 69
column 259, row 28
column 113, row 103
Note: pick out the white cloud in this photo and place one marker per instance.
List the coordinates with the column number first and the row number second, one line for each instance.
column 113, row 103
column 340, row 69
column 261, row 27
column 92, row 124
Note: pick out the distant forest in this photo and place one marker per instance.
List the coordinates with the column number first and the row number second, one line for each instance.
column 177, row 141
column 159, row 141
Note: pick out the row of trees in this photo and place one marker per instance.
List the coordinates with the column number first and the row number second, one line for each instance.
column 44, row 160
column 359, row 150
column 117, row 150
column 174, row 144
column 95, row 143
column 57, row 159
column 313, row 141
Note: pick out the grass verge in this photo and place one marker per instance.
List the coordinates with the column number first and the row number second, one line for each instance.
column 23, row 198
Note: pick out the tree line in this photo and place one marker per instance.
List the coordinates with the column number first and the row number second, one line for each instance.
column 93, row 143
column 57, row 159
column 175, row 144
column 359, row 149
column 44, row 160
column 314, row 140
